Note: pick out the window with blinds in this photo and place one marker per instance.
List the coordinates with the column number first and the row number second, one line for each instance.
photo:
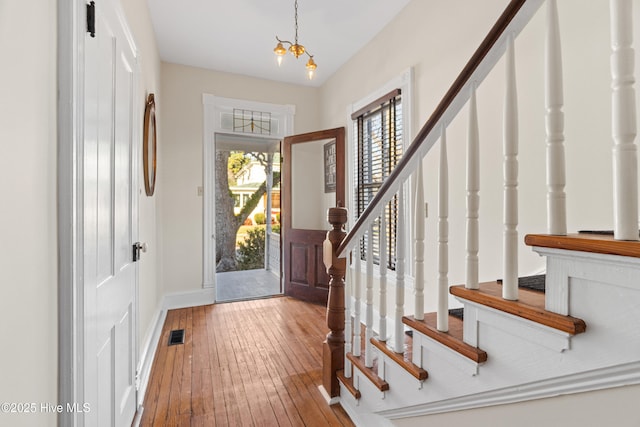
column 378, row 132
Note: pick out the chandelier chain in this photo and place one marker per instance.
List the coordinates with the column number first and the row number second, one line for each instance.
column 296, row 19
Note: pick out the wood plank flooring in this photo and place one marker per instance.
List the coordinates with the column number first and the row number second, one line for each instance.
column 248, row 363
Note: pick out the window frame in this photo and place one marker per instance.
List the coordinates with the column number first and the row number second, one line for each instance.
column 405, row 83
column 379, row 137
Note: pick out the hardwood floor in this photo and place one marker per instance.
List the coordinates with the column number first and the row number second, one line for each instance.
column 248, row 363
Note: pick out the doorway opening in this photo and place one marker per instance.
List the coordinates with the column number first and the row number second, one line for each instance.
column 247, row 218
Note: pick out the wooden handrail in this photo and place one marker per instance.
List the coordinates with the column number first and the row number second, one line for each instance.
column 514, row 18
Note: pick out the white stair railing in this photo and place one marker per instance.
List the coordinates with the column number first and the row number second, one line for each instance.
column 554, row 100
column 419, row 217
column 368, row 352
column 623, row 119
column 357, row 293
column 443, row 236
column 383, row 278
column 473, row 193
column 400, row 260
column 510, row 245
column 500, row 39
column 348, row 325
column 464, row 89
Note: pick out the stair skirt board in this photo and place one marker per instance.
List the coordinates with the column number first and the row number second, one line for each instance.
column 368, row 412
column 598, row 379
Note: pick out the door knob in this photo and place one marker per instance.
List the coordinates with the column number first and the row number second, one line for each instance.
column 137, row 247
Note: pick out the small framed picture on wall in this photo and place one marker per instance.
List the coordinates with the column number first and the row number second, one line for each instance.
column 330, row 167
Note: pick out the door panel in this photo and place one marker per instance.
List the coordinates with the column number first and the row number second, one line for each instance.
column 109, row 223
column 304, row 211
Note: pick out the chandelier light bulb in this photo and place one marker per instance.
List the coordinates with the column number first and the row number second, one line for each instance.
column 311, row 68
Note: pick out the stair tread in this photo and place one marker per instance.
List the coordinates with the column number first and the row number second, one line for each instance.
column 452, row 338
column 530, row 305
column 586, row 242
column 403, row 359
column 348, row 383
column 370, row 373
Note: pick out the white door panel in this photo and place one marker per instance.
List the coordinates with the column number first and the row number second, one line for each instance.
column 110, row 220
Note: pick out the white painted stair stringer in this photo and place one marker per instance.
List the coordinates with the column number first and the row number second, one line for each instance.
column 526, row 360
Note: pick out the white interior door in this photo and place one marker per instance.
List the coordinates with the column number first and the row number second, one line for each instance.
column 110, row 223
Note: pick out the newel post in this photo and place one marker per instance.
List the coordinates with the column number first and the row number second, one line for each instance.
column 333, row 346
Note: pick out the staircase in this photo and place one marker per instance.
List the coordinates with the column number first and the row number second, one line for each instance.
column 509, row 351
column 506, row 343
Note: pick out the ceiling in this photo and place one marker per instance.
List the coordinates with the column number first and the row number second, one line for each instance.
column 238, row 36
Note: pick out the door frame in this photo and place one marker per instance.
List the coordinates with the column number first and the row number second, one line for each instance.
column 338, row 134
column 71, row 29
column 215, row 108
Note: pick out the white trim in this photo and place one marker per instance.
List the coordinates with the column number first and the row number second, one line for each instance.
column 563, row 265
column 598, row 379
column 70, row 237
column 149, row 349
column 211, row 107
column 360, row 419
column 405, row 82
column 545, row 336
column 330, row 400
column 209, row 198
column 189, row 299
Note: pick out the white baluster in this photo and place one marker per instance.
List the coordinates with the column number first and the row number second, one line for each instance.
column 554, row 99
column 419, row 245
column 399, row 328
column 347, row 317
column 625, row 161
column 383, row 277
column 357, row 337
column 443, row 237
column 473, row 193
column 368, row 347
column 510, row 246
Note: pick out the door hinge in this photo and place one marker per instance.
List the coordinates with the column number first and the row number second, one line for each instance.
column 91, row 18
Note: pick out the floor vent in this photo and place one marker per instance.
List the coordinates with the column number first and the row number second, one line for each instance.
column 176, row 337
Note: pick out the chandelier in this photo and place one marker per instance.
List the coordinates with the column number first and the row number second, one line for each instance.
column 295, row 48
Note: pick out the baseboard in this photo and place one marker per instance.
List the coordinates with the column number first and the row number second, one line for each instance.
column 150, row 344
column 189, row 299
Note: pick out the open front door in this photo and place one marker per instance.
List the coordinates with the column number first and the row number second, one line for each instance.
column 313, row 171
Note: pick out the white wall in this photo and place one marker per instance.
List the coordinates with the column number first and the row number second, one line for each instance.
column 28, row 248
column 181, row 157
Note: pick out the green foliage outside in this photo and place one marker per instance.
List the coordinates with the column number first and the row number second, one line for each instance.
column 251, row 250
column 259, row 218
column 237, row 160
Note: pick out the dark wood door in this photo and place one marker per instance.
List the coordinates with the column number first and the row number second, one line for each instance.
column 313, row 180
